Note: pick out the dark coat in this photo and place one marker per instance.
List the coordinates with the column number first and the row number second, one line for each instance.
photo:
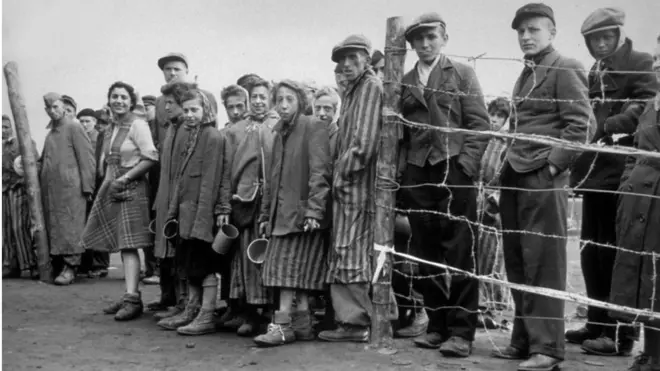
column 614, row 117
column 634, row 278
column 204, row 187
column 534, row 112
column 461, row 107
column 299, row 176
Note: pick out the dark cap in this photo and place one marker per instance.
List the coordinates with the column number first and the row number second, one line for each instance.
column 426, row 20
column 102, row 115
column 603, row 19
column 376, row 57
column 172, row 57
column 5, row 117
column 149, row 99
column 86, row 112
column 532, row 10
column 359, row 42
column 70, row 101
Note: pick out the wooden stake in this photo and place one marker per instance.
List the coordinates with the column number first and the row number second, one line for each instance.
column 28, row 151
column 395, row 56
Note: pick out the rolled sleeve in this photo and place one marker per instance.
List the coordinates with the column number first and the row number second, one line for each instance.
column 141, row 136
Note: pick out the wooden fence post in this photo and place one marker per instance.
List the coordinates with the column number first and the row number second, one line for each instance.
column 395, row 56
column 27, row 151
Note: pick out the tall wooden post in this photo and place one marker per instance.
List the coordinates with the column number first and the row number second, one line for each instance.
column 395, row 56
column 26, row 147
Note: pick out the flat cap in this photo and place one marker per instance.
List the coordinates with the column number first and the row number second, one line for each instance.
column 102, row 115
column 5, row 117
column 70, row 101
column 149, row 99
column 359, row 42
column 426, row 20
column 532, row 10
column 86, row 112
column 376, row 57
column 50, row 98
column 171, row 58
column 603, row 19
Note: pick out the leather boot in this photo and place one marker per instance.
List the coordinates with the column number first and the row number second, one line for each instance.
column 346, row 333
column 66, row 277
column 201, row 325
column 279, row 332
column 251, row 324
column 301, row 322
column 131, row 309
column 183, row 318
column 114, row 307
column 418, row 326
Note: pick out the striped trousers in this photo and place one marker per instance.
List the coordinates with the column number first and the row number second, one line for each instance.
column 18, row 249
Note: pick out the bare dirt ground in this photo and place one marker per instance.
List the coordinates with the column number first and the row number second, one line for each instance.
column 46, row 327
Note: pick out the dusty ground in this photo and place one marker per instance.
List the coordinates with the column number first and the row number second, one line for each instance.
column 51, row 328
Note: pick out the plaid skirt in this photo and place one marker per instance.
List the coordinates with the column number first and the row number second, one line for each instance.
column 296, row 261
column 113, row 226
column 245, row 282
column 18, row 248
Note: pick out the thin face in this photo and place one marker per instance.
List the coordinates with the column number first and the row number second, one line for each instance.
column 69, row 111
column 603, row 43
column 56, row 110
column 235, row 105
column 353, row 63
column 428, row 42
column 497, row 120
column 535, row 34
column 87, row 122
column 379, row 67
column 287, row 104
column 259, row 100
column 172, row 108
column 151, row 111
column 6, row 129
column 101, row 126
column 174, row 69
column 325, row 108
column 119, row 101
column 193, row 112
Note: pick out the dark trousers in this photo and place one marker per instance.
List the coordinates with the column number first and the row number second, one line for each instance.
column 599, row 225
column 444, row 239
column 405, row 281
column 168, row 281
column 535, row 260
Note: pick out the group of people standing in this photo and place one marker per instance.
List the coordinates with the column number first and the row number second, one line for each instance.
column 297, row 165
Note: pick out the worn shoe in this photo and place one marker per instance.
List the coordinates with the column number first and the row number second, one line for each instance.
column 66, row 277
column 170, row 312
column 418, row 326
column 114, row 307
column 131, row 309
column 604, row 346
column 202, row 324
column 279, row 332
column 487, row 321
column 580, row 335
column 151, row 280
column 643, row 363
column 510, row 353
column 159, row 306
column 539, row 362
column 182, row 319
column 456, row 346
column 234, row 322
column 431, row 340
column 302, row 325
column 345, row 333
column 248, row 328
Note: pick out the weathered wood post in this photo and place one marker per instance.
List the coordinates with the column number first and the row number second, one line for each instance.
column 26, row 147
column 395, row 56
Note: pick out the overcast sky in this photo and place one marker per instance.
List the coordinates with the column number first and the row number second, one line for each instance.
column 80, row 47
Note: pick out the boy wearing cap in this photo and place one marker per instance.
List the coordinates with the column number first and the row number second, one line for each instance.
column 67, row 183
column 353, row 206
column 70, row 106
column 616, row 124
column 87, row 119
column 429, row 97
column 550, row 99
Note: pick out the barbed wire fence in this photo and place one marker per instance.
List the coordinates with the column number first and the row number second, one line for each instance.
column 387, row 185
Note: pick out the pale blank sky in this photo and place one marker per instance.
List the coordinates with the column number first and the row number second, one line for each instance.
column 80, row 47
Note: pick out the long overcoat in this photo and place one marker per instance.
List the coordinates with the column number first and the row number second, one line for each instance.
column 635, row 278
column 354, row 181
column 67, row 174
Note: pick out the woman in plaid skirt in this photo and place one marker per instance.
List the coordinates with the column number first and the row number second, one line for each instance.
column 119, row 219
column 249, row 145
column 294, row 215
